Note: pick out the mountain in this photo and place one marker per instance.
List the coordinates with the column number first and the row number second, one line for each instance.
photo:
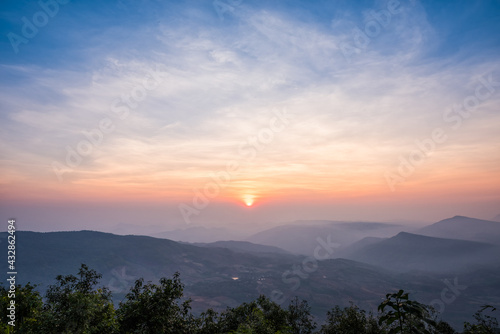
column 123, row 259
column 496, row 218
column 302, row 237
column 464, row 228
column 214, row 277
column 200, row 234
column 127, row 229
column 409, row 252
column 217, row 277
column 243, row 246
column 358, row 246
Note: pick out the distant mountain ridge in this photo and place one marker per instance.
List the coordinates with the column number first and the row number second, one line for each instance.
column 218, row 277
column 243, row 246
column 302, row 238
column 123, row 259
column 407, row 252
column 200, row 234
column 214, row 277
column 464, row 228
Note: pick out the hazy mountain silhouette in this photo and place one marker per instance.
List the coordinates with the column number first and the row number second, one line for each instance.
column 144, row 256
column 243, row 246
column 218, row 277
column 302, row 236
column 201, row 234
column 358, row 246
column 127, row 229
column 496, row 218
column 408, row 252
column 464, row 228
column 214, row 277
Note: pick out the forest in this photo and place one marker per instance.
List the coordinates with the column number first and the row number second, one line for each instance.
column 78, row 304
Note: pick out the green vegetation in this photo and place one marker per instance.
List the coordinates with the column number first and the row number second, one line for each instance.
column 405, row 315
column 207, row 273
column 77, row 305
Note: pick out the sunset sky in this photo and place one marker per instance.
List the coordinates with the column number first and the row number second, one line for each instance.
column 239, row 112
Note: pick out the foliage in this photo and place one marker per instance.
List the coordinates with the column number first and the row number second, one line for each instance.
column 28, row 309
column 485, row 324
column 299, row 317
column 350, row 320
column 261, row 316
column 405, row 315
column 74, row 305
column 208, row 322
column 151, row 308
column 443, row 328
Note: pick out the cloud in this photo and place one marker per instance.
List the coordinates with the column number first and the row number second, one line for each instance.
column 222, row 83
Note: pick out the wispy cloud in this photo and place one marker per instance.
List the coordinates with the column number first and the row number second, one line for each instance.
column 349, row 121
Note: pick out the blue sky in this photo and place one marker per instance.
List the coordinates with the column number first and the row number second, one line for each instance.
column 357, row 100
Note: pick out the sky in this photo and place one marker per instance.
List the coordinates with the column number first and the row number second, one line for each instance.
column 243, row 113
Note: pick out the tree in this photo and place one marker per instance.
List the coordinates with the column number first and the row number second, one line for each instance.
column 443, row 328
column 261, row 316
column 208, row 322
column 299, row 317
column 28, row 309
column 350, row 320
column 74, row 305
column 151, row 308
column 485, row 324
column 405, row 315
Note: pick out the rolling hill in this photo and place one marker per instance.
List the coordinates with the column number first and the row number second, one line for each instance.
column 216, row 277
column 464, row 228
column 122, row 259
column 408, row 252
column 244, row 247
column 302, row 237
column 200, row 234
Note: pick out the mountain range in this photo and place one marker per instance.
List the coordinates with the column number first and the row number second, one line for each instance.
column 406, row 252
column 302, row 237
column 464, row 228
column 362, row 269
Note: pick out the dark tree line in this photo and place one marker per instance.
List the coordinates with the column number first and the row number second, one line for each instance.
column 76, row 305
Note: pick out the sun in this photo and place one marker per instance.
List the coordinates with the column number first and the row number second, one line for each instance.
column 249, row 199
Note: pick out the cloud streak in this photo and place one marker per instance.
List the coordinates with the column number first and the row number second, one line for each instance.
column 349, row 121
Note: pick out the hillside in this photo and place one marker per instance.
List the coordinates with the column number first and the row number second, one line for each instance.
column 358, row 246
column 122, row 259
column 464, row 228
column 243, row 246
column 214, row 277
column 218, row 277
column 200, row 234
column 407, row 252
column 302, row 237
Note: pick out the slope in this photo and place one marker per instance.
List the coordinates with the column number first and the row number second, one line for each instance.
column 464, row 228
column 244, row 247
column 302, row 237
column 218, row 277
column 407, row 252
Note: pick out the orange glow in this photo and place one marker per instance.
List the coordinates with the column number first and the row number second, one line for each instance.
column 249, row 199
column 254, row 188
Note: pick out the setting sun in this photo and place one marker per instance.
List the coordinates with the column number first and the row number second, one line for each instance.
column 285, row 164
column 249, row 199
